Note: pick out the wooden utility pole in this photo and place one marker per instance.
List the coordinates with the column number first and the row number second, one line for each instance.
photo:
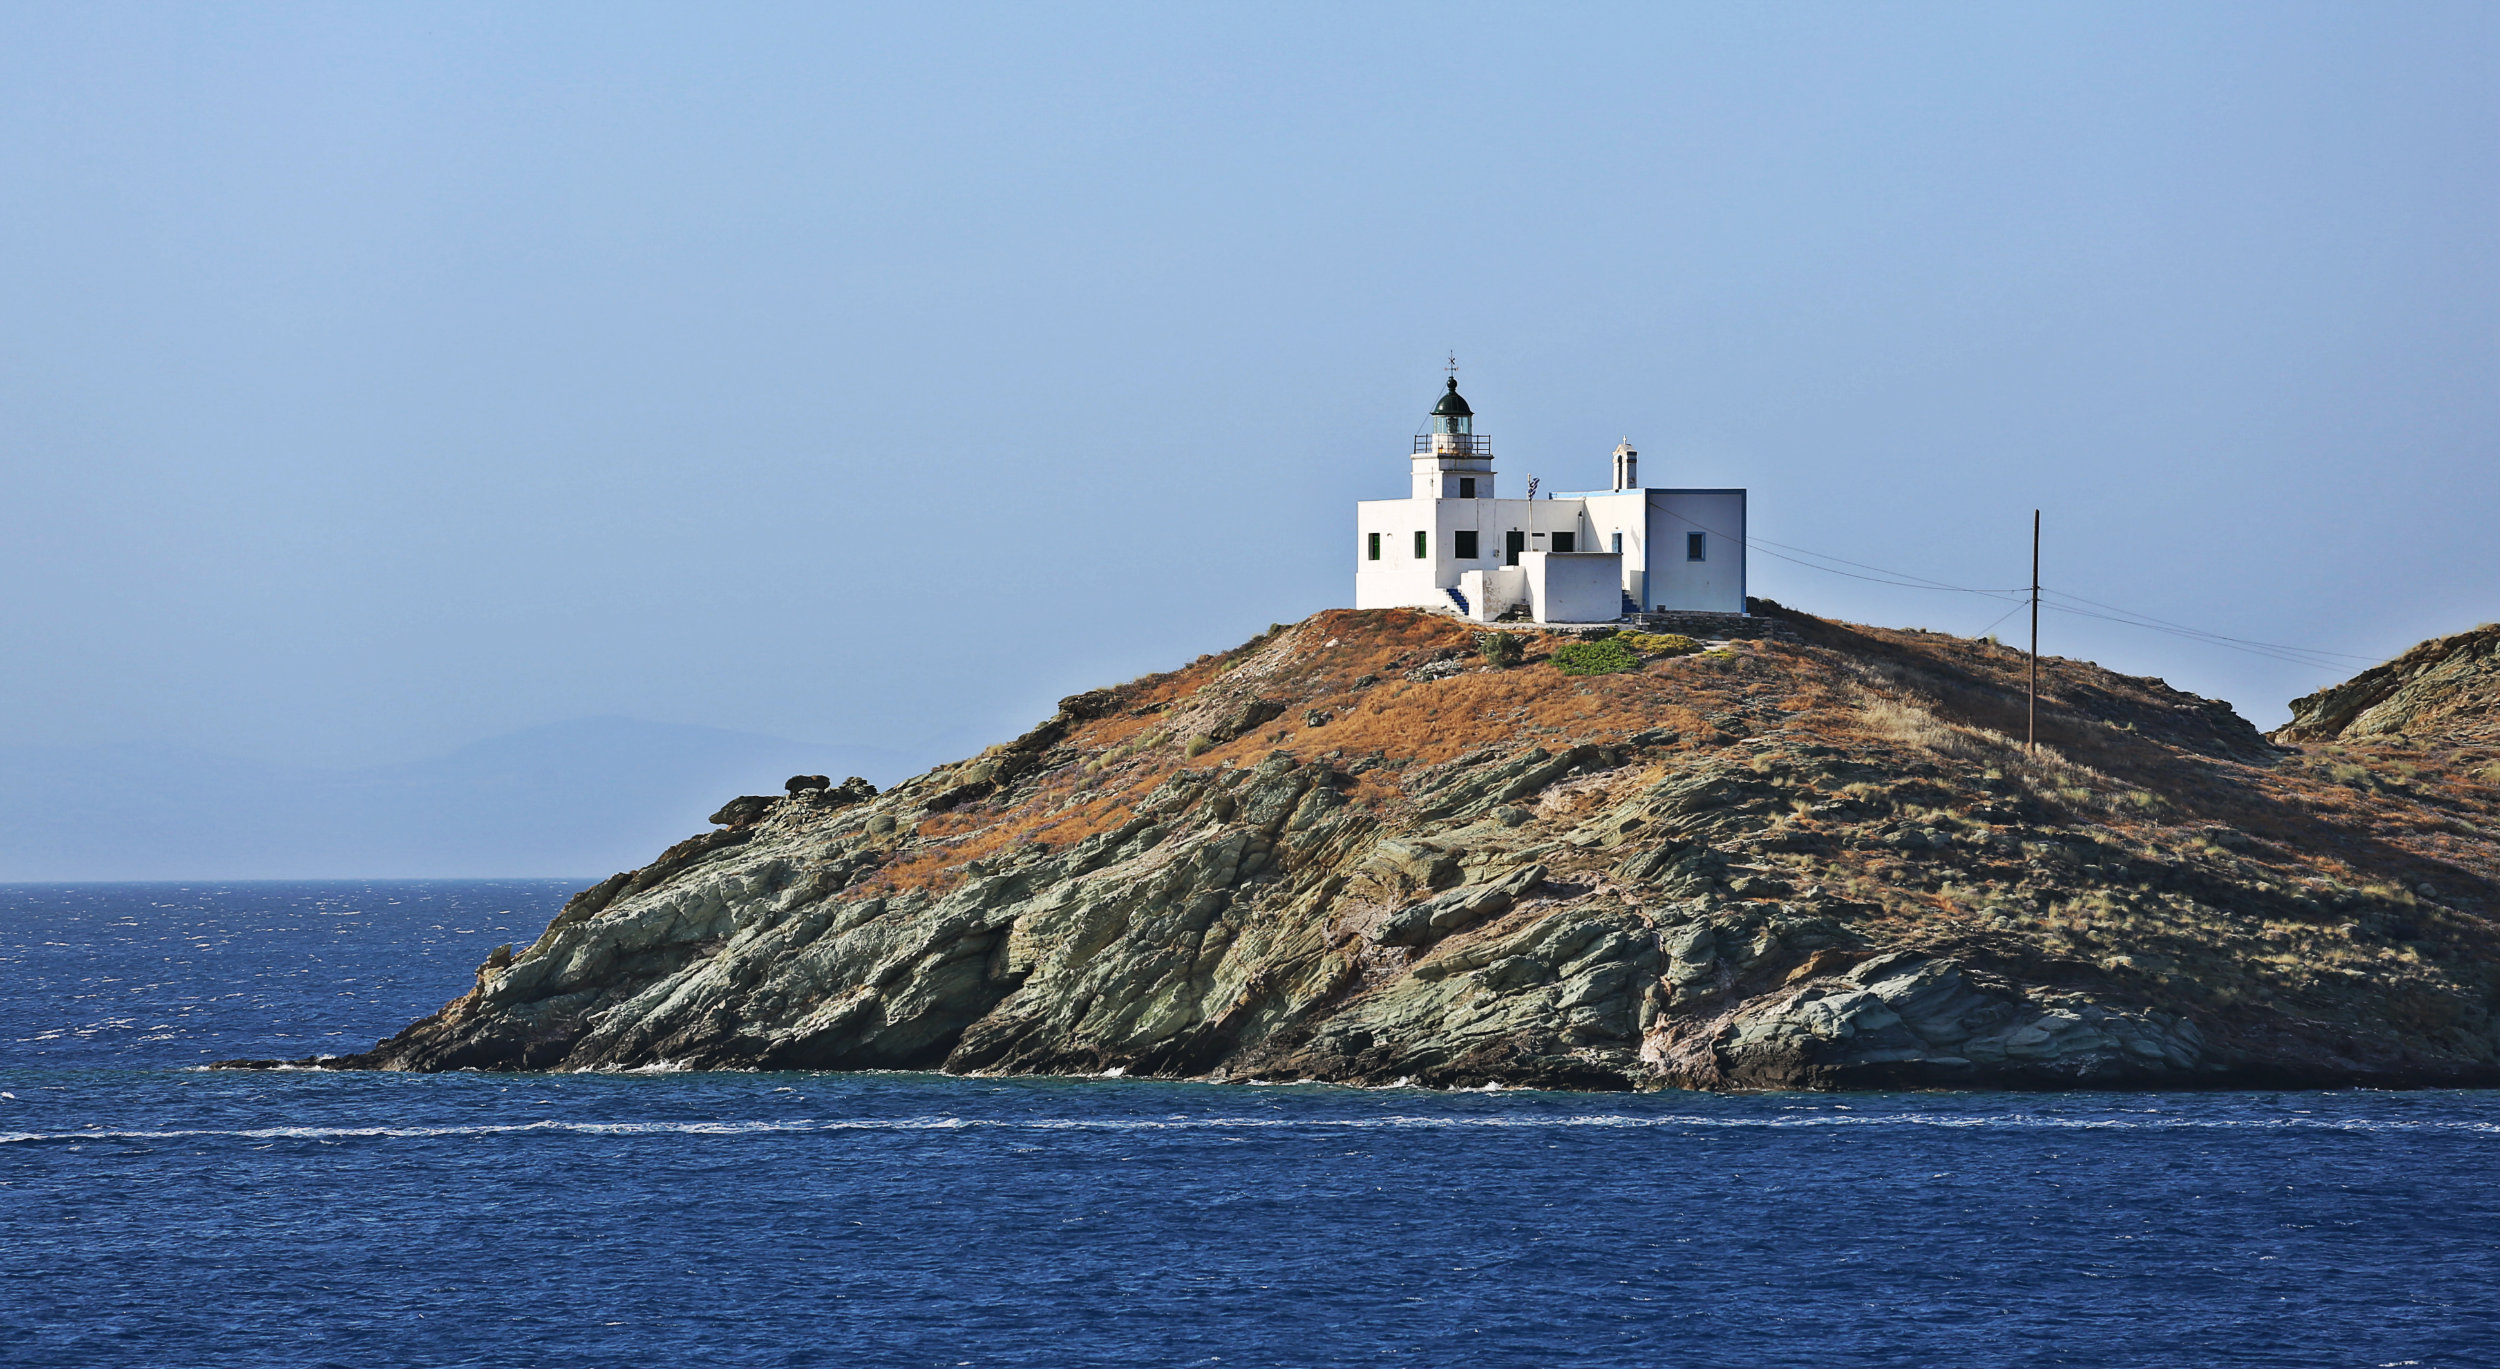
column 2031, row 710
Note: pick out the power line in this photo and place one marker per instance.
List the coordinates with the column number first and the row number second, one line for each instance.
column 2318, row 658
column 2163, row 624
column 1922, row 582
column 1875, row 579
column 2305, row 656
column 1901, row 579
column 2018, row 607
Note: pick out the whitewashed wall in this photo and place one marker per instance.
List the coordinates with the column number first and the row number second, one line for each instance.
column 1649, row 522
column 1577, row 587
column 1492, row 593
column 1713, row 585
column 1620, row 522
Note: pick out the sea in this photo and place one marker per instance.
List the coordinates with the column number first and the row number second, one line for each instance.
column 154, row 1213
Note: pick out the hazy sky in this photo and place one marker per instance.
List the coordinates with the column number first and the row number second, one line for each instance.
column 376, row 379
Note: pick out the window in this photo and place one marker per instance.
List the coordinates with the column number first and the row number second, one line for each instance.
column 1423, row 545
column 1513, row 543
column 1466, row 545
column 1618, row 546
column 1696, row 545
column 1466, row 488
column 1374, row 547
column 1566, row 541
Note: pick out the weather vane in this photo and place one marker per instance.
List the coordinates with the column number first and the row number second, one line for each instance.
column 1452, row 368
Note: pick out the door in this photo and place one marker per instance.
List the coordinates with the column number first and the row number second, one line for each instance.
column 1513, row 543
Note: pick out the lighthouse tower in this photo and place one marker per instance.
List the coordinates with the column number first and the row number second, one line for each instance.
column 1451, row 460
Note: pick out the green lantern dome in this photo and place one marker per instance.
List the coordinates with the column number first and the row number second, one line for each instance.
column 1451, row 417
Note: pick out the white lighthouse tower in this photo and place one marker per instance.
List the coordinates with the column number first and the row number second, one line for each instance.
column 1454, row 545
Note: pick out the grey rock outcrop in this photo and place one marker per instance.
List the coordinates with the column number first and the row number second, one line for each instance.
column 1905, row 1020
column 2448, row 687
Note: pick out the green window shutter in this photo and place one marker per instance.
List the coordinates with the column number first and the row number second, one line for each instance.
column 1423, row 545
column 1375, row 545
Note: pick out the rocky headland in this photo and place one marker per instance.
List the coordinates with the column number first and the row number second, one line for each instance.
column 1381, row 846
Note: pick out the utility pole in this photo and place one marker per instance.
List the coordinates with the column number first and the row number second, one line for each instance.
column 2031, row 712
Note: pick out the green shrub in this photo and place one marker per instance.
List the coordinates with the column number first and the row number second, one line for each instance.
column 1500, row 648
column 1660, row 643
column 1198, row 746
column 1595, row 658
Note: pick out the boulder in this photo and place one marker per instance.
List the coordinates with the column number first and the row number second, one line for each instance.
column 1420, row 923
column 745, row 810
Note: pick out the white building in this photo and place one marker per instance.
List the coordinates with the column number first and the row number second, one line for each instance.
column 1453, row 545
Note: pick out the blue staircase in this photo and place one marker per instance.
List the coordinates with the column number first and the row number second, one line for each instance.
column 1458, row 599
column 1631, row 605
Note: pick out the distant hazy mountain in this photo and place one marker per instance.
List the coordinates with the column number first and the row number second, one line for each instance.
column 569, row 799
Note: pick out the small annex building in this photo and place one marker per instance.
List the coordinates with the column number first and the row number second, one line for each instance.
column 1453, row 544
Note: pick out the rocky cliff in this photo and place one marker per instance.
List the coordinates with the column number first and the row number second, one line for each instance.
column 1363, row 848
column 2446, row 689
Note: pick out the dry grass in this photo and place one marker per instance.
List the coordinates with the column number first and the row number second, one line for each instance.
column 1431, row 722
column 1912, row 721
column 1062, row 809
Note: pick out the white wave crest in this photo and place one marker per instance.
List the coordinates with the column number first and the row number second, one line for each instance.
column 1666, row 1121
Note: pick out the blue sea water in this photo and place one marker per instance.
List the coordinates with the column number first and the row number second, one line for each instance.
column 155, row 1214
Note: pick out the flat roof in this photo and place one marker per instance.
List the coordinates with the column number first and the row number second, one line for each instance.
column 1643, row 489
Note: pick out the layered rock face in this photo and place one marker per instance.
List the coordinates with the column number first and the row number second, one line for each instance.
column 2446, row 689
column 1357, row 849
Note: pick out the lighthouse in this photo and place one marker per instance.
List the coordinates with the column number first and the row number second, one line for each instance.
column 1453, row 544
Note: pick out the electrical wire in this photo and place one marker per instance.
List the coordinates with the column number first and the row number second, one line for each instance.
column 2317, row 658
column 2017, row 608
column 2146, row 620
column 2303, row 656
column 1922, row 582
column 1883, row 576
column 1759, row 545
